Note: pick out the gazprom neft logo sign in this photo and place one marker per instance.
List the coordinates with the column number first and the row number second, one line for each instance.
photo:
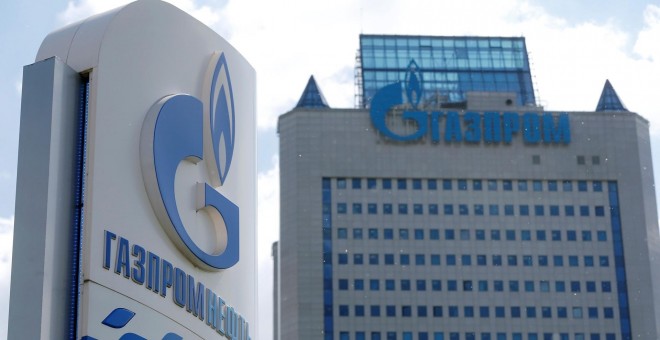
column 457, row 127
column 184, row 128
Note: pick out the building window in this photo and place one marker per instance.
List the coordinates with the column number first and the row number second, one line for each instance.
column 403, row 234
column 374, row 310
column 552, row 185
column 358, row 259
column 524, row 210
column 463, row 209
column 387, row 209
column 388, row 233
column 417, row 209
column 492, row 185
column 507, row 185
column 539, row 210
column 437, row 311
column 343, row 284
column 476, row 185
column 405, row 285
column 357, row 208
column 433, row 209
column 373, row 259
column 341, row 183
column 359, row 310
column 419, row 234
column 389, row 259
column 595, row 160
column 522, row 185
column 421, row 311
column 406, row 311
column 357, row 233
column 582, row 186
column 446, row 184
column 401, row 183
column 403, row 209
column 343, row 310
column 374, row 285
column 341, row 208
column 479, row 209
column 417, row 184
column 373, row 233
column 540, row 235
column 372, row 208
column 356, row 183
column 580, row 160
column 387, row 184
column 536, row 159
column 432, row 184
column 371, row 183
column 597, row 186
column 462, row 184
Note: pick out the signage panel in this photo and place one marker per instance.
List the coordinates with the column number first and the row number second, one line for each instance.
column 169, row 197
column 401, row 101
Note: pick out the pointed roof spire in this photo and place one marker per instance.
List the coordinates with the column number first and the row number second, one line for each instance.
column 312, row 96
column 609, row 100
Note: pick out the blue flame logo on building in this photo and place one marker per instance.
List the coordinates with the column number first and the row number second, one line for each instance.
column 391, row 95
column 119, row 318
column 183, row 128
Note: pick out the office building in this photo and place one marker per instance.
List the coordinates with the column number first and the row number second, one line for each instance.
column 421, row 220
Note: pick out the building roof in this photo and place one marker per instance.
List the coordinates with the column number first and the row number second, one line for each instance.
column 312, row 96
column 609, row 100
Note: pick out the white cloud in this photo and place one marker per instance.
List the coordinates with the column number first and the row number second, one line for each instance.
column 268, row 231
column 19, row 87
column 6, row 240
column 77, row 10
column 647, row 41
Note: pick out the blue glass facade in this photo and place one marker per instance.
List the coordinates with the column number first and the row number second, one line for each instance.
column 449, row 66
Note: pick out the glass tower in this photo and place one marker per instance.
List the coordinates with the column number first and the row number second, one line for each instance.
column 450, row 66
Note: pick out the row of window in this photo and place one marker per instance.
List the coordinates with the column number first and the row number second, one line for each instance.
column 475, row 184
column 530, row 312
column 468, row 234
column 479, row 260
column 392, row 335
column 477, row 209
column 559, row 286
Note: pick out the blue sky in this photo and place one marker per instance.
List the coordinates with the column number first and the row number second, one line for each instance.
column 574, row 46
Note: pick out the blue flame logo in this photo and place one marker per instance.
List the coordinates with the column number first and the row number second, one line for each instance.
column 182, row 128
column 414, row 86
column 119, row 318
column 391, row 95
column 222, row 116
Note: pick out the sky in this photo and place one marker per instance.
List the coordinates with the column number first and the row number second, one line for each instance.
column 574, row 47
